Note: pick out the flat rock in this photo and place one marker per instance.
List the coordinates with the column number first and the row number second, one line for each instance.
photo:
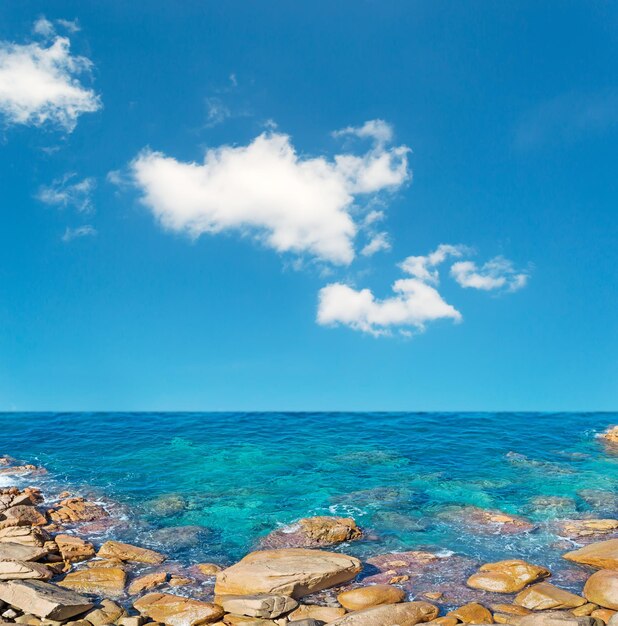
column 313, row 532
column 588, row 527
column 22, row 515
column 24, row 535
column 44, row 600
column 472, row 613
column 545, row 596
column 74, row 549
column 292, row 572
column 403, row 614
column 19, row 552
column 602, row 589
column 557, row 618
column 601, row 554
column 324, row 614
column 107, row 612
column 20, row 570
column 147, row 582
column 506, row 576
column 104, row 581
column 265, row 606
column 372, row 595
column 176, row 611
column 128, row 552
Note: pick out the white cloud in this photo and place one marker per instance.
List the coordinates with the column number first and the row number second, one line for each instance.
column 378, row 130
column 39, row 82
column 217, row 112
column 290, row 202
column 414, row 304
column 424, row 267
column 497, row 273
column 76, row 233
column 378, row 243
column 63, row 194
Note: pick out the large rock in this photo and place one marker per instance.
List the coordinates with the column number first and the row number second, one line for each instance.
column 75, row 510
column 43, row 599
column 372, row 595
column 147, row 582
column 266, row 606
column 74, row 549
column 18, row 570
column 19, row 552
column 176, row 611
column 602, row 554
column 107, row 612
column 557, row 618
column 472, row 613
column 24, row 535
column 506, row 576
column 22, row 515
column 324, row 614
column 588, row 527
column 313, row 532
column 610, row 435
column 602, row 589
column 544, row 596
column 403, row 614
column 292, row 572
column 103, row 581
column 128, row 552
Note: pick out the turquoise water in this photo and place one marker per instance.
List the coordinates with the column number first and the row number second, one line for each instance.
column 208, row 486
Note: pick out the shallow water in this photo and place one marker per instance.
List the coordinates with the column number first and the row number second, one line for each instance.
column 233, row 477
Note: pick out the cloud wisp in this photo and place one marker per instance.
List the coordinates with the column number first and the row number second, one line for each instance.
column 63, row 193
column 77, row 233
column 497, row 273
column 266, row 190
column 40, row 81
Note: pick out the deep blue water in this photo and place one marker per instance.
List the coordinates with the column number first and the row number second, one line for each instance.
column 239, row 475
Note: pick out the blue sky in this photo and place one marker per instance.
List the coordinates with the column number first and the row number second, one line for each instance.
column 303, row 206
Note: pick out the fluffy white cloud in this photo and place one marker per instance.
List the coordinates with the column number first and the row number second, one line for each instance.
column 424, row 267
column 39, row 82
column 378, row 243
column 76, row 233
column 63, row 193
column 290, row 202
column 497, row 273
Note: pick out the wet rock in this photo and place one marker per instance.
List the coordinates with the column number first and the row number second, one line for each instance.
column 265, row 606
column 588, row 527
column 472, row 613
column 294, row 572
column 557, row 618
column 43, row 599
column 552, row 504
column 147, row 582
column 372, row 595
column 180, row 581
column 74, row 549
column 18, row 570
column 22, row 515
column 324, row 614
column 601, row 554
column 602, row 589
column 313, row 532
column 510, row 609
column 177, row 611
column 128, row 552
column 21, row 470
column 610, row 435
column 545, row 596
column 306, row 622
column 24, row 535
column 75, row 510
column 208, row 569
column 506, row 576
column 403, row 614
column 484, row 521
column 107, row 612
column 103, row 581
column 18, row 552
column 600, row 500
column 181, row 537
column 167, row 505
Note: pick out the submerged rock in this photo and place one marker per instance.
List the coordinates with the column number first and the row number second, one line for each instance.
column 600, row 500
column 403, row 614
column 167, row 505
column 177, row 611
column 544, row 596
column 506, row 576
column 313, row 532
column 483, row 521
column 372, row 595
column 601, row 554
column 602, row 589
column 147, row 582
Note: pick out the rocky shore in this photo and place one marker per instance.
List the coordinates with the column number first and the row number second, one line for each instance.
column 54, row 570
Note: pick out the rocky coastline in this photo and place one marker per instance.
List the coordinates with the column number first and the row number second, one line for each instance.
column 55, row 570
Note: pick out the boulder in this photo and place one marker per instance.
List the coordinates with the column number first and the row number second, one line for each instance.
column 43, row 599
column 208, row 569
column 176, row 611
column 313, row 532
column 324, row 614
column 265, row 606
column 603, row 614
column 19, row 570
column 147, row 582
column 74, row 549
column 292, row 572
column 610, row 435
column 544, row 596
column 585, row 609
column 107, row 612
column 506, row 576
column 103, row 581
column 510, row 609
column 372, row 595
column 602, row 589
column 19, row 552
column 557, row 618
column 613, row 621
column 22, row 515
column 180, row 581
column 24, row 535
column 128, row 552
column 601, row 554
column 306, row 622
column 402, row 614
column 588, row 527
column 75, row 510
column 472, row 613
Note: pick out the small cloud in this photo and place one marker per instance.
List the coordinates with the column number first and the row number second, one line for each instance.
column 497, row 273
column 71, row 26
column 233, row 80
column 378, row 243
column 217, row 112
column 43, row 27
column 76, row 233
column 378, row 130
column 63, row 194
column 424, row 267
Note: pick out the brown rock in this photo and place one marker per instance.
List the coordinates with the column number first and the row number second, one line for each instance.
column 180, row 581
column 444, row 621
column 601, row 554
column 74, row 549
column 107, row 612
column 313, row 532
column 24, row 535
column 18, row 552
column 544, row 596
column 557, row 618
column 402, row 614
column 149, row 581
column 472, row 613
column 208, row 569
column 373, row 595
column 585, row 609
column 506, row 576
column 291, row 572
column 510, row 609
column 128, row 552
column 43, row 599
column 74, row 510
column 22, row 515
column 19, row 570
column 603, row 614
column 104, row 581
column 265, row 606
column 611, row 435
column 176, row 611
column 602, row 589
column 324, row 614
column 588, row 527
column 242, row 620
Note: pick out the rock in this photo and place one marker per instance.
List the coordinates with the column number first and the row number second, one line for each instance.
column 176, row 611
column 106, row 563
column 242, row 620
column 10, row 614
column 103, row 581
column 24, row 535
column 107, row 612
column 602, row 589
column 611, row 435
column 403, row 614
column 128, row 552
column 601, row 554
column 313, row 532
column 306, row 622
column 22, row 515
column 167, row 505
column 43, row 599
column 373, row 595
column 18, row 570
column 75, row 510
column 292, row 572
column 506, row 576
column 324, row 614
column 74, row 549
column 588, row 527
column 510, row 609
column 208, row 569
column 21, row 469
column 613, row 621
column 544, row 596
column 260, row 605
column 149, row 581
column 27, row 618
column 472, row 613
column 180, row 581
column 137, row 620
column 600, row 499
column 603, row 614
column 585, row 609
column 557, row 618
column 18, row 552
column 487, row 520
